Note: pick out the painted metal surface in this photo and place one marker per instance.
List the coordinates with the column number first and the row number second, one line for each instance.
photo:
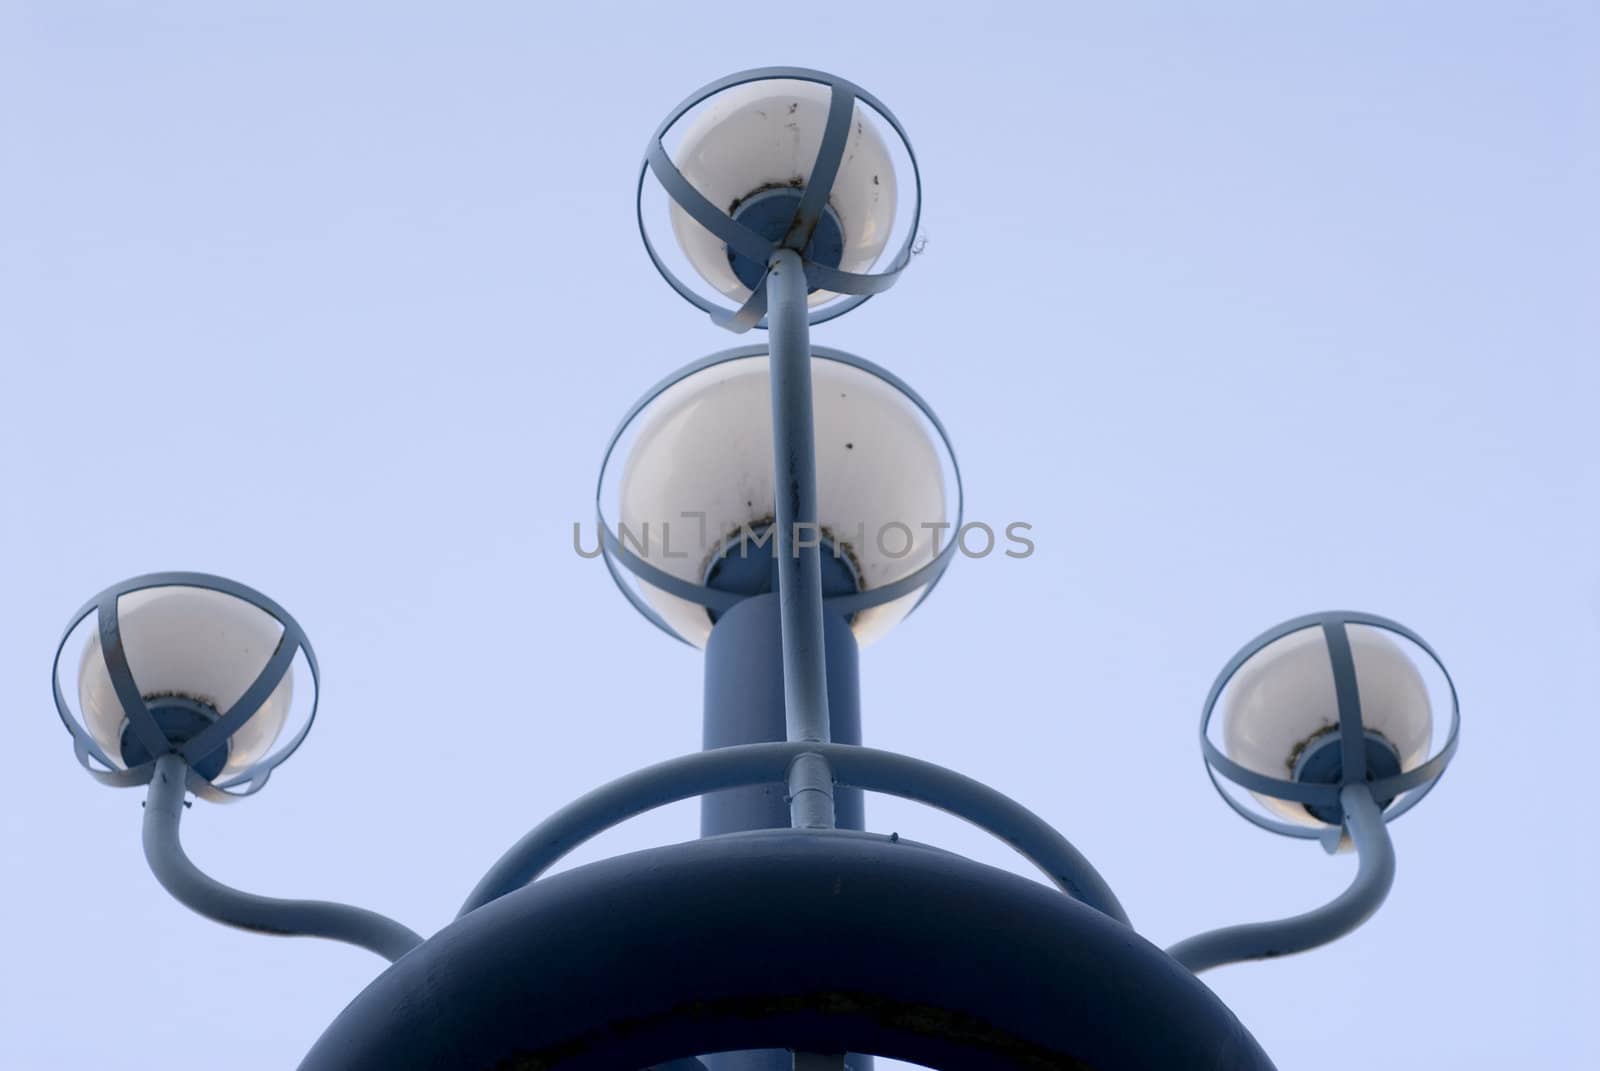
column 818, row 939
column 821, row 941
column 1423, row 777
column 144, row 724
column 866, row 768
column 205, row 895
column 746, row 242
column 744, row 705
column 799, row 538
column 1366, row 893
column 618, row 557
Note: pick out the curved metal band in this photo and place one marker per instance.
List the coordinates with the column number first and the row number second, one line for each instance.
column 825, row 168
column 1325, row 794
column 857, row 286
column 634, row 598
column 926, row 576
column 1413, row 784
column 217, row 733
column 841, row 106
column 711, row 598
column 1352, row 737
column 134, row 708
column 750, row 764
column 613, row 551
column 849, row 282
column 746, row 316
column 106, row 605
column 733, row 233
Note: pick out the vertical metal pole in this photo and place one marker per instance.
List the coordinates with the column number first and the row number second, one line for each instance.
column 800, row 612
column 799, row 538
column 744, row 705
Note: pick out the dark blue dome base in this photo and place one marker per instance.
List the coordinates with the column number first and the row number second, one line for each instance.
column 770, row 213
column 749, row 566
column 822, row 941
column 1322, row 763
column 180, row 719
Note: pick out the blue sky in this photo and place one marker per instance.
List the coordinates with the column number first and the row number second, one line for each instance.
column 1250, row 311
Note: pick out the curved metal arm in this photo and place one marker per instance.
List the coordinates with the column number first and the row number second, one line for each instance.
column 163, row 810
column 751, row 764
column 1264, row 940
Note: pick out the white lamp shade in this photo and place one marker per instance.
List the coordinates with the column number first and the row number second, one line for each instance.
column 765, row 134
column 195, row 643
column 705, row 445
column 1283, row 697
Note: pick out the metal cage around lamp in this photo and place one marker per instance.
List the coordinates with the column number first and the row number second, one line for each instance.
column 1339, row 749
column 160, row 718
column 810, row 201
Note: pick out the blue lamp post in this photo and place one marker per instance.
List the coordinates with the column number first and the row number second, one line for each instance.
column 777, row 505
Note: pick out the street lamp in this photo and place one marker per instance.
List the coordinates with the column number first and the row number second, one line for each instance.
column 780, row 159
column 752, row 149
column 1330, row 699
column 777, row 506
column 690, row 477
column 185, row 682
column 190, row 664
column 1328, row 724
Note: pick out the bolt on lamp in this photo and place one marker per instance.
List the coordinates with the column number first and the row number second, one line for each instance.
column 777, row 506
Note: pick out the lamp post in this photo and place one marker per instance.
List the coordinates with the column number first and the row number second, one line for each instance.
column 776, row 505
